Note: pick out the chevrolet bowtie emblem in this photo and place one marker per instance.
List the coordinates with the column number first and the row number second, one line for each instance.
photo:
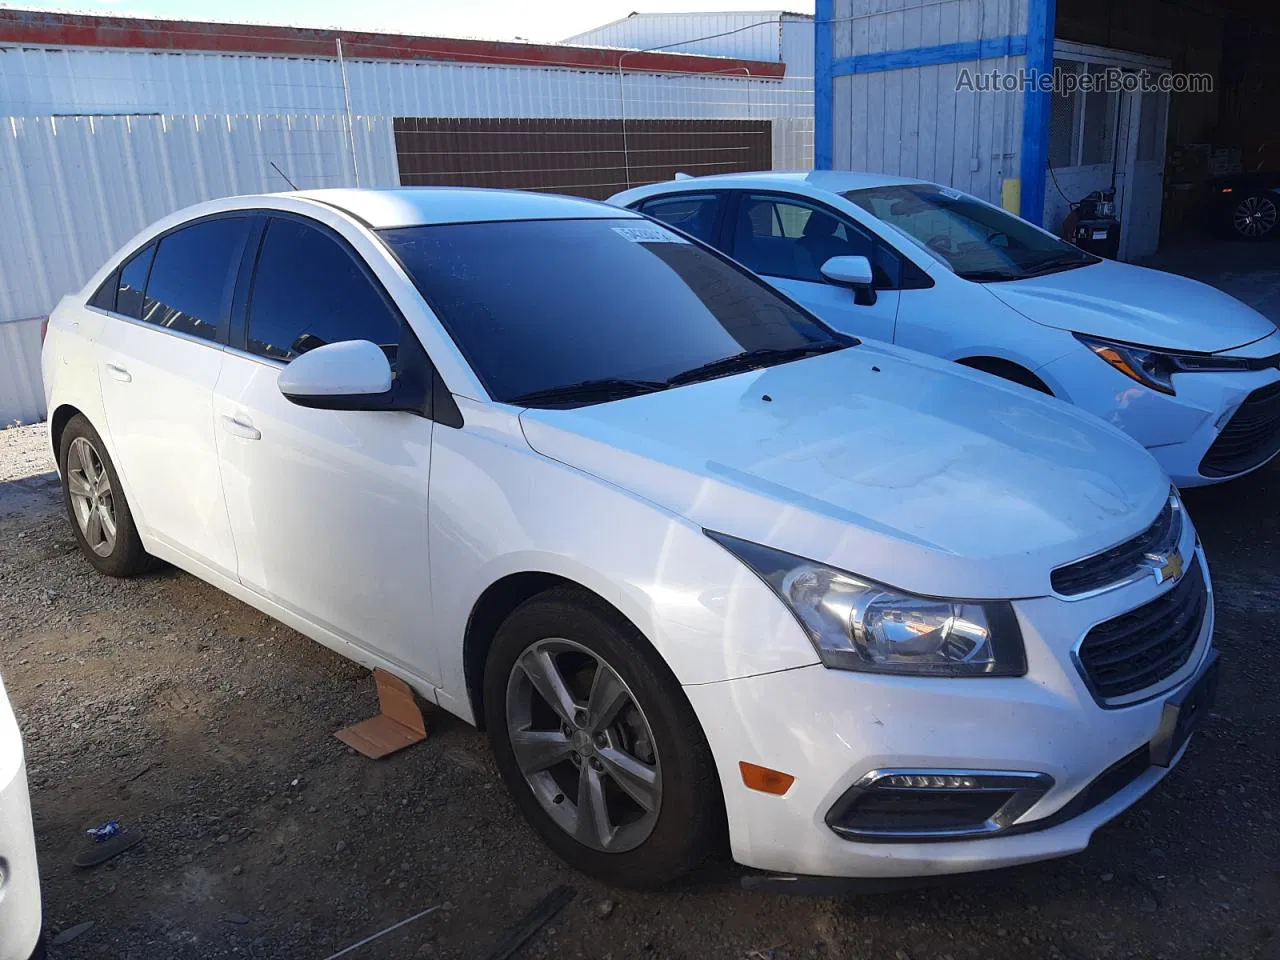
column 1165, row 566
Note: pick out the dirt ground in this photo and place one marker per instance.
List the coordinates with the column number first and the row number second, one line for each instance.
column 209, row 728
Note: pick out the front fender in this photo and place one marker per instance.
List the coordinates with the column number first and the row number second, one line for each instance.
column 499, row 508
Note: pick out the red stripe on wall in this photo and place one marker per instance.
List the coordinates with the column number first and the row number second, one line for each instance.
column 64, row 29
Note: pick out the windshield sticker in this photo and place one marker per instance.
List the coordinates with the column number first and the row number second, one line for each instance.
column 951, row 194
column 649, row 234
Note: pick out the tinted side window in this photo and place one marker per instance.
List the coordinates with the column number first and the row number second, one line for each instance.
column 192, row 279
column 104, row 298
column 782, row 238
column 309, row 291
column 133, row 281
column 696, row 214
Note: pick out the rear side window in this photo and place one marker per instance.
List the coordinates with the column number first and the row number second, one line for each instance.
column 105, row 296
column 133, row 281
column 694, row 213
column 191, row 281
column 308, row 291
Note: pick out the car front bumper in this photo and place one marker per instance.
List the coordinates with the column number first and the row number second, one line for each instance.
column 1179, row 430
column 831, row 728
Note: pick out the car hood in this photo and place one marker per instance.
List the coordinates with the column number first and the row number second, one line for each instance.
column 890, row 464
column 1122, row 302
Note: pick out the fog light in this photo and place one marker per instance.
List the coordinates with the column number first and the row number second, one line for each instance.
column 927, row 780
column 914, row 805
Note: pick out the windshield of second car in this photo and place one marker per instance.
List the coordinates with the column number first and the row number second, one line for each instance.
column 980, row 242
column 543, row 305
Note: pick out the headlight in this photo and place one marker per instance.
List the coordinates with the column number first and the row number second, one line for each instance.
column 1155, row 368
column 856, row 624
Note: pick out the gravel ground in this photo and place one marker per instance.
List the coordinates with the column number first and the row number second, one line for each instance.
column 209, row 728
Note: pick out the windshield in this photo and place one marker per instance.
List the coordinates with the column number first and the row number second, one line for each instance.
column 544, row 305
column 979, row 241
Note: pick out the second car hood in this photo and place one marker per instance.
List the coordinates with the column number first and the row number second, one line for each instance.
column 896, row 466
column 1122, row 302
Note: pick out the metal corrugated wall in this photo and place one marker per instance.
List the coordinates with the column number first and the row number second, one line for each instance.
column 39, row 81
column 21, row 390
column 894, row 104
column 74, row 189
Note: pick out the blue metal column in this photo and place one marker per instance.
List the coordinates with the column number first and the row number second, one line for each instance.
column 823, row 81
column 1037, row 105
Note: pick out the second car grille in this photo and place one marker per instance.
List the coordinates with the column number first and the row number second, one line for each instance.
column 1120, row 562
column 1139, row 649
column 1249, row 439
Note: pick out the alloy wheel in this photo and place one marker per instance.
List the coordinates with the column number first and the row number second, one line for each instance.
column 584, row 745
column 92, row 499
column 1255, row 216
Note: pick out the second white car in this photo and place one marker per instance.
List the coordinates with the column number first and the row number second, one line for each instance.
column 1189, row 372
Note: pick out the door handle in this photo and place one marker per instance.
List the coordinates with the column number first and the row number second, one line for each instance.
column 118, row 372
column 239, row 427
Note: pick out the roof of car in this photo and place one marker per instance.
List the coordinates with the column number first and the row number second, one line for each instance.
column 835, row 181
column 417, row 206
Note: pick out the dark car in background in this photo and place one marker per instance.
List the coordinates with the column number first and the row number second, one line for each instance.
column 1246, row 205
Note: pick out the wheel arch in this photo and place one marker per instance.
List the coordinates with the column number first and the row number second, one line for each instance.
column 58, row 421
column 62, row 415
column 1006, row 370
column 498, row 601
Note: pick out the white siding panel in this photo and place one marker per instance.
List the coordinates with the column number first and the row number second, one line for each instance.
column 915, row 123
column 68, row 81
column 887, row 25
column 21, row 389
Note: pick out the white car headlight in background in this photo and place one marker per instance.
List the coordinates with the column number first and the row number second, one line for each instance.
column 1155, row 368
column 857, row 624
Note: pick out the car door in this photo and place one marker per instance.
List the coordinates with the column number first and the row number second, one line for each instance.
column 159, row 358
column 328, row 507
column 787, row 239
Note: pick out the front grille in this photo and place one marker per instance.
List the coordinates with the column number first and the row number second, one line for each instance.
column 1250, row 438
column 1144, row 646
column 1122, row 561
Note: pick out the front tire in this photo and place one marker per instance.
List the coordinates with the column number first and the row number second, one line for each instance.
column 597, row 743
column 100, row 516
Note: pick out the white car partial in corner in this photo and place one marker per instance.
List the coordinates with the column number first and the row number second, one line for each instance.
column 708, row 571
column 1189, row 372
column 20, row 921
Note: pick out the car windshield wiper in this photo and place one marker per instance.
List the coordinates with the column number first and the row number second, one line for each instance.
column 588, row 391
column 989, row 276
column 753, row 359
column 1063, row 261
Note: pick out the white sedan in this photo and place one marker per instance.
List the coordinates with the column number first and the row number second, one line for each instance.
column 701, row 565
column 1189, row 372
column 20, row 923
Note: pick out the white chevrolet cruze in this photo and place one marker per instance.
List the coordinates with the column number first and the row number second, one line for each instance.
column 699, row 564
column 20, row 922
column 1189, row 372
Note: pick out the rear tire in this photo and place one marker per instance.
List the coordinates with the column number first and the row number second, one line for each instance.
column 617, row 778
column 100, row 516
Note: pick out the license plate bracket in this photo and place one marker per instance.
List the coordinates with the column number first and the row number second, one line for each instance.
column 1185, row 712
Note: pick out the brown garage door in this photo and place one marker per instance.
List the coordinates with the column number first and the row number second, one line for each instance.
column 588, row 158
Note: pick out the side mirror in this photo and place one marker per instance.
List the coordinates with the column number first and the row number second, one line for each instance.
column 350, row 375
column 854, row 272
